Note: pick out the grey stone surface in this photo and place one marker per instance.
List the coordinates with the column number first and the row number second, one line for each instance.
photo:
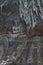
column 17, row 16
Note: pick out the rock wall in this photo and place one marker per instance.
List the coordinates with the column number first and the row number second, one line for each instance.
column 31, row 11
column 17, row 18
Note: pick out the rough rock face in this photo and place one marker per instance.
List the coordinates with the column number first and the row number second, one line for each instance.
column 21, row 50
column 21, row 42
column 32, row 12
column 9, row 15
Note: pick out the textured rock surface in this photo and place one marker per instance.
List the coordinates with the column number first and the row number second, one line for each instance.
column 18, row 18
column 32, row 12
